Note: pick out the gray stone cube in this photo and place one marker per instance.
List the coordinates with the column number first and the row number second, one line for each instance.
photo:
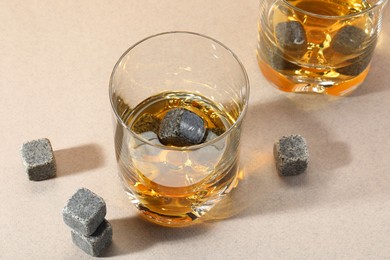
column 359, row 63
column 95, row 243
column 348, row 40
column 181, row 127
column 357, row 66
column 291, row 36
column 146, row 123
column 84, row 212
column 291, row 155
column 276, row 58
column 38, row 159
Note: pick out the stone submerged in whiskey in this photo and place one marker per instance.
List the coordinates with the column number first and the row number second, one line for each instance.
column 181, row 127
column 318, row 46
column 291, row 36
column 348, row 40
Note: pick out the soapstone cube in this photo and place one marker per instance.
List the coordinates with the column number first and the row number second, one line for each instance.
column 291, row 155
column 38, row 159
column 84, row 212
column 95, row 243
column 181, row 127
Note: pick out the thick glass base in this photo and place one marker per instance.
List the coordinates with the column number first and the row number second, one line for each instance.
column 301, row 84
column 181, row 215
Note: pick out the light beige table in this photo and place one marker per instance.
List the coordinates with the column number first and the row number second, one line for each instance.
column 55, row 61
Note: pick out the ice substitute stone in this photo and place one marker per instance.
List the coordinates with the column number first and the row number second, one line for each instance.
column 348, row 40
column 95, row 243
column 357, row 66
column 291, row 35
column 181, row 127
column 38, row 159
column 84, row 211
column 360, row 63
column 291, row 155
column 214, row 133
column 275, row 57
column 146, row 123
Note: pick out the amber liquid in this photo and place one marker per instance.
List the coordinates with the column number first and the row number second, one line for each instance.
column 317, row 67
column 174, row 187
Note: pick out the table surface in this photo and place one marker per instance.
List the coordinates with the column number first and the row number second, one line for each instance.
column 56, row 60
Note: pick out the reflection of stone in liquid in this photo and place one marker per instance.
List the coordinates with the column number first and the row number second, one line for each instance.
column 174, row 168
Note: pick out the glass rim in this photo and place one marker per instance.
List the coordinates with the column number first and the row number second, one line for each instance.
column 376, row 5
column 245, row 97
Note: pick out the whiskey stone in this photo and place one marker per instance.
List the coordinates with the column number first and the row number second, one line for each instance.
column 95, row 243
column 138, row 148
column 84, row 212
column 181, row 127
column 277, row 61
column 357, row 66
column 348, row 40
column 38, row 159
column 211, row 135
column 150, row 136
column 275, row 57
column 291, row 155
column 360, row 63
column 146, row 123
column 291, row 35
column 214, row 133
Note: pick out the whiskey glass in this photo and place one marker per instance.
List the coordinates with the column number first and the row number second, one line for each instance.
column 174, row 186
column 318, row 46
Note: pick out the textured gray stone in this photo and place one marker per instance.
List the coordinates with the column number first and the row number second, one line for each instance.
column 146, row 123
column 38, row 159
column 348, row 40
column 360, row 63
column 275, row 57
column 95, row 243
column 291, row 155
column 84, row 212
column 291, row 36
column 214, row 133
column 356, row 67
column 181, row 127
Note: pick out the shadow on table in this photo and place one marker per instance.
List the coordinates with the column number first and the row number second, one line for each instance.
column 262, row 190
column 134, row 234
column 78, row 159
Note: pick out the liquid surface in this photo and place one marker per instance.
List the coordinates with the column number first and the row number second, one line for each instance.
column 331, row 7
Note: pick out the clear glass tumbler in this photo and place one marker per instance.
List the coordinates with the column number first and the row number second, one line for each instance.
column 318, row 46
column 175, row 185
